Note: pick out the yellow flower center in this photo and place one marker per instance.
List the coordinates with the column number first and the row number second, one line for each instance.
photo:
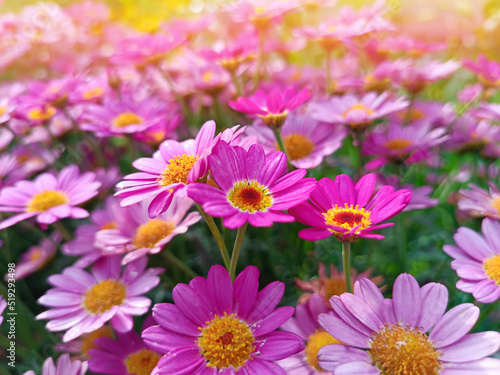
column 3, row 110
column 110, row 225
column 496, row 204
column 226, row 342
column 142, row 362
column 358, row 107
column 315, row 342
column 415, row 114
column 297, row 146
column 335, row 286
column 178, row 169
column 93, row 93
column 207, row 77
column 149, row 234
column 348, row 217
column 126, row 119
column 88, row 339
column 36, row 254
column 397, row 144
column 46, row 200
column 42, row 113
column 250, row 196
column 491, row 267
column 404, row 351
column 103, row 296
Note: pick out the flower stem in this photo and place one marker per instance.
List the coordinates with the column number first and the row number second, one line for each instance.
column 237, row 83
column 401, row 243
column 346, row 260
column 63, row 231
column 408, row 111
column 281, row 144
column 171, row 258
column 236, row 250
column 218, row 238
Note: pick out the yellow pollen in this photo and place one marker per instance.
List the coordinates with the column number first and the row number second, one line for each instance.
column 207, row 77
column 358, row 107
column 404, row 351
column 149, row 234
column 496, row 204
column 397, row 144
column 315, row 342
column 178, row 169
column 103, row 296
column 42, row 114
column 36, row 254
column 88, row 339
column 491, row 267
column 110, row 225
column 93, row 93
column 297, row 146
column 250, row 196
column 3, row 110
column 142, row 362
column 226, row 342
column 334, row 286
column 126, row 119
column 348, row 217
column 46, row 200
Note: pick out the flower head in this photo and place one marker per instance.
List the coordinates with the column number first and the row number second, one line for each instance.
column 487, row 71
column 347, row 211
column 479, row 202
column 37, row 256
column 49, row 197
column 408, row 334
column 64, row 366
column 83, row 302
column 217, row 326
column 272, row 107
column 252, row 188
column 477, row 261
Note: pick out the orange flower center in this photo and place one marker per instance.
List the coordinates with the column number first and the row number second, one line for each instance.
column 415, row 114
column 104, row 295
column 110, row 225
column 250, row 196
column 126, row 119
column 348, row 217
column 397, row 144
column 496, row 204
column 42, row 113
column 491, row 267
column 358, row 107
column 403, row 350
column 297, row 146
column 142, row 362
column 178, row 169
column 149, row 234
column 334, row 286
column 226, row 341
column 88, row 339
column 93, row 93
column 46, row 200
column 315, row 342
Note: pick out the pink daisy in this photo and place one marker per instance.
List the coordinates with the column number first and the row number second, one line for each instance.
column 36, row 257
column 3, row 305
column 305, row 324
column 49, row 197
column 272, row 107
column 83, row 302
column 347, row 211
column 252, row 188
column 477, row 261
column 64, row 366
column 307, row 141
column 127, row 355
column 220, row 327
column 170, row 170
column 487, row 71
column 137, row 235
column 356, row 112
column 479, row 202
column 409, row 334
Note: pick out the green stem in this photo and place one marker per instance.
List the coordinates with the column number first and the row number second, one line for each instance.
column 236, row 250
column 171, row 258
column 64, row 232
column 281, row 144
column 237, row 83
column 408, row 111
column 218, row 238
column 185, row 109
column 401, row 243
column 346, row 260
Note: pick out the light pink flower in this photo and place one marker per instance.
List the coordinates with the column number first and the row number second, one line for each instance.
column 64, row 366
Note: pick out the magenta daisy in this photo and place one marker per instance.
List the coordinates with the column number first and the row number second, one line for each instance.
column 487, row 71
column 477, row 261
column 272, row 107
column 408, row 334
column 64, row 366
column 252, row 187
column 127, row 355
column 479, row 202
column 3, row 305
column 307, row 141
column 83, row 302
column 168, row 172
column 36, row 257
column 124, row 116
column 356, row 112
column 347, row 211
column 137, row 235
column 220, row 327
column 49, row 197
column 305, row 324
